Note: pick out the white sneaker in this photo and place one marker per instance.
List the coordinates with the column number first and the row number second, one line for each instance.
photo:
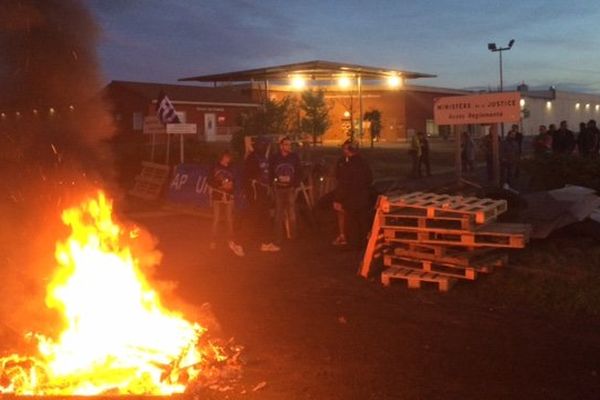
column 269, row 247
column 236, row 248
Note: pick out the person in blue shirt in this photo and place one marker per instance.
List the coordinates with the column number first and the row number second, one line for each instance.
column 222, row 184
column 258, row 192
column 285, row 173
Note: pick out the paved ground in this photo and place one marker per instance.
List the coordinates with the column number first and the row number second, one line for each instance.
column 312, row 329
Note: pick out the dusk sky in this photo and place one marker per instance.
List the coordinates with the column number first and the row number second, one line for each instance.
column 557, row 41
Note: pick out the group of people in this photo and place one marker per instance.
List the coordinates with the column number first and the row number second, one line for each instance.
column 564, row 141
column 269, row 186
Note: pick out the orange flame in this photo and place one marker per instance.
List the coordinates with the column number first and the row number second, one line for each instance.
column 118, row 336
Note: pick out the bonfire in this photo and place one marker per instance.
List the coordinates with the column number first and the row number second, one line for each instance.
column 118, row 337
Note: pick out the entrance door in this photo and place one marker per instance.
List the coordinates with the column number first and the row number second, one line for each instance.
column 210, row 127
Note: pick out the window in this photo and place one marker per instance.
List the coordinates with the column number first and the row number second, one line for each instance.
column 138, row 121
column 431, row 129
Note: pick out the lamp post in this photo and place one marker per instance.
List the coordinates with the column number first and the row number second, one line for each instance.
column 493, row 48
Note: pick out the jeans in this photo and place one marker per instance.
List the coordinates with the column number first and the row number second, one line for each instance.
column 222, row 209
column 285, row 206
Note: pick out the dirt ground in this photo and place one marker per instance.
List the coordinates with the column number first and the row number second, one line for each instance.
column 312, row 329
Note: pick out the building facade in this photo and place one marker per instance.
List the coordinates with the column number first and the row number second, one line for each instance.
column 553, row 106
column 215, row 111
column 404, row 110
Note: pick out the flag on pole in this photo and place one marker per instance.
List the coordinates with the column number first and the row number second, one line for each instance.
column 165, row 110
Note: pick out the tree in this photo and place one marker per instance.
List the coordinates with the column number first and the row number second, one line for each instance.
column 315, row 120
column 374, row 118
column 275, row 117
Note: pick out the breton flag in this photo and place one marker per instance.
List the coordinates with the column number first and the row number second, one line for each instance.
column 165, row 110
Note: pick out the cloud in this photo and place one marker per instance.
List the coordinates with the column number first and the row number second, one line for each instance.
column 183, row 38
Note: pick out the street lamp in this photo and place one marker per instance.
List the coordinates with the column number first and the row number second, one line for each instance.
column 493, row 48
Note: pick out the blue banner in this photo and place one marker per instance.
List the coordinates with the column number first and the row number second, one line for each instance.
column 189, row 186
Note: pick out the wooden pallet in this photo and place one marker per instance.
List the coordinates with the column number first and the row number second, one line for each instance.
column 462, row 223
column 468, row 272
column 375, row 244
column 494, row 235
column 482, row 259
column 434, row 205
column 416, row 278
column 151, row 181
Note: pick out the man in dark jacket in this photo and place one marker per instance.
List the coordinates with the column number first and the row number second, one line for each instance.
column 258, row 192
column 285, row 173
column 588, row 140
column 563, row 140
column 352, row 196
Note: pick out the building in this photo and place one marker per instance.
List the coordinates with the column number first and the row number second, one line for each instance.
column 545, row 107
column 215, row 111
column 350, row 91
column 404, row 110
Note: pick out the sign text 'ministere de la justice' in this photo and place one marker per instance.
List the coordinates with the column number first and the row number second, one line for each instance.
column 478, row 109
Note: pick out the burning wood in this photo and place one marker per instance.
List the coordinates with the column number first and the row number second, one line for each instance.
column 118, row 337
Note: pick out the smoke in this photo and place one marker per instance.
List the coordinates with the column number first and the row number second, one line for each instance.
column 54, row 136
column 50, row 84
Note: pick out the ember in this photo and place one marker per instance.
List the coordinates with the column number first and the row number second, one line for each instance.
column 118, row 337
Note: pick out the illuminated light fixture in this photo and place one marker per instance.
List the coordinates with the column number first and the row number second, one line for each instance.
column 587, row 106
column 51, row 111
column 35, row 111
column 346, row 114
column 597, row 107
column 71, row 107
column 344, row 82
column 549, row 105
column 298, row 82
column 577, row 106
column 3, row 116
column 18, row 114
column 394, row 81
column 522, row 102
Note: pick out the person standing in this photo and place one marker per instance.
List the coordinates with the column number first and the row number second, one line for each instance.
column 468, row 152
column 543, row 142
column 557, row 139
column 221, row 188
column 424, row 156
column 258, row 192
column 352, row 196
column 588, row 140
column 415, row 154
column 489, row 155
column 567, row 139
column 509, row 153
column 518, row 138
column 285, row 173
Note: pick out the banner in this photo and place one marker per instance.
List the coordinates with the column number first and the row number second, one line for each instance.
column 189, row 186
column 489, row 108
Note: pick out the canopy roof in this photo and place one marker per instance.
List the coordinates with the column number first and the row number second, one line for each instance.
column 317, row 69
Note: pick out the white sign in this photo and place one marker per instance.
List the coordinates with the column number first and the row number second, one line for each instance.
column 477, row 109
column 182, row 129
column 153, row 126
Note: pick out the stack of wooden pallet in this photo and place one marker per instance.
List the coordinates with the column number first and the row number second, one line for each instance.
column 428, row 237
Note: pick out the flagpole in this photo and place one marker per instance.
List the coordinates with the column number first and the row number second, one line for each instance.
column 168, row 147
column 153, row 146
column 181, row 148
